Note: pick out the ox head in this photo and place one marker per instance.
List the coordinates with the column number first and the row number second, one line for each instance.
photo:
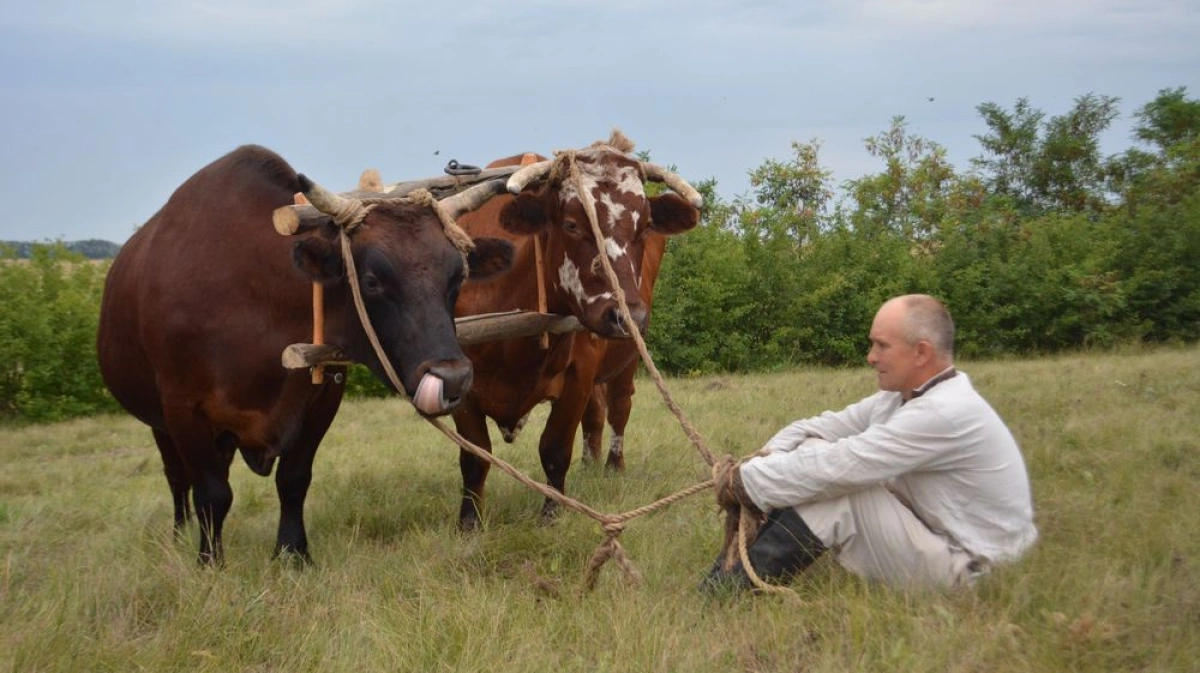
column 549, row 202
column 410, row 261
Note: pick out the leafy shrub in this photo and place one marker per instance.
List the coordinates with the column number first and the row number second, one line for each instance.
column 48, row 321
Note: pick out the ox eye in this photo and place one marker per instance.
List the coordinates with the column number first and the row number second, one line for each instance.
column 371, row 284
column 571, row 227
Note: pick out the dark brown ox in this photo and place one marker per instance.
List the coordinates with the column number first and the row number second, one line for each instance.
column 513, row 376
column 203, row 299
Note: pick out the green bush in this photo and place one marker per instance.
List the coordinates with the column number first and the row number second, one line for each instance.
column 48, row 321
column 1043, row 247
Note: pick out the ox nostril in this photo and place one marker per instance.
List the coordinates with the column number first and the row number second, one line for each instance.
column 615, row 319
column 456, row 380
column 640, row 316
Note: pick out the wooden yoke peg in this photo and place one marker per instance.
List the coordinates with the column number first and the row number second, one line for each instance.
column 318, row 301
column 544, row 341
column 318, row 298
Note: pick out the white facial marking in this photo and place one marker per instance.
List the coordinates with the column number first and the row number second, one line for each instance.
column 629, row 182
column 568, row 278
column 614, row 250
column 615, row 210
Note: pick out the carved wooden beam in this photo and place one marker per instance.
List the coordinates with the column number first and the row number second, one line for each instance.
column 445, row 185
column 305, row 356
column 472, row 329
column 476, row 329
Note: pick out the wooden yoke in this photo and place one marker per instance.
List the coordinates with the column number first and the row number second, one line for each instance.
column 544, row 341
column 318, row 301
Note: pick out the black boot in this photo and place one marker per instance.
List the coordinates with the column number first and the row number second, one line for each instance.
column 785, row 545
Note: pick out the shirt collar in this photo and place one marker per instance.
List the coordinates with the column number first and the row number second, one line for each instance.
column 944, row 375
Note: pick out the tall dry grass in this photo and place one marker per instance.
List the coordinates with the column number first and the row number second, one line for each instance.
column 91, row 578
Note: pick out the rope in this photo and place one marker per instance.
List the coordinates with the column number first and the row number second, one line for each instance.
column 349, row 213
column 613, row 524
column 746, row 521
column 590, row 208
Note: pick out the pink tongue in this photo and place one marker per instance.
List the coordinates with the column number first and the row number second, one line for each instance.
column 429, row 395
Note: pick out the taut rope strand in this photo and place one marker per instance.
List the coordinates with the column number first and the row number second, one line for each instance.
column 746, row 519
column 613, row 525
column 590, row 208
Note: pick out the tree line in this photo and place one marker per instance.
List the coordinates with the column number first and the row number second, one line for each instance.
column 1040, row 245
column 91, row 248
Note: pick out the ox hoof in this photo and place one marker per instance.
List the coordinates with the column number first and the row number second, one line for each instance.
column 292, row 558
column 209, row 560
column 549, row 513
column 469, row 522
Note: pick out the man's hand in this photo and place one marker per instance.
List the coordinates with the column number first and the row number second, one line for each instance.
column 727, row 483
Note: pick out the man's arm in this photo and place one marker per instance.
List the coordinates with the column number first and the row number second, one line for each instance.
column 829, row 426
column 906, row 442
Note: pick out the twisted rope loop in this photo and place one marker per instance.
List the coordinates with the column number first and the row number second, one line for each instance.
column 348, row 214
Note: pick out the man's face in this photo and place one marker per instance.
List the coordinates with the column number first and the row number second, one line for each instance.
column 894, row 359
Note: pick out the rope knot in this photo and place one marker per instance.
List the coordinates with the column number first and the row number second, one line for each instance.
column 613, row 529
column 349, row 214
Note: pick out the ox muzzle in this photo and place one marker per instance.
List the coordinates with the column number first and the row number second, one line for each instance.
column 443, row 386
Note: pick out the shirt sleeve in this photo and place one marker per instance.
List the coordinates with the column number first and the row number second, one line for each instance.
column 830, row 426
column 913, row 437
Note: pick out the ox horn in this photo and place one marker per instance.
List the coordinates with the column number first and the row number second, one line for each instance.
column 471, row 199
column 325, row 206
column 680, row 186
column 528, row 175
column 345, row 212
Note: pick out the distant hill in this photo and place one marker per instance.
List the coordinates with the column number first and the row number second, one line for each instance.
column 91, row 248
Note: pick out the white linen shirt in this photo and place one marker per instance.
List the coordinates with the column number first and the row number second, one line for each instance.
column 945, row 454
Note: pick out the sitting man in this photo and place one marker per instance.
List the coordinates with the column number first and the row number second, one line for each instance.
column 920, row 484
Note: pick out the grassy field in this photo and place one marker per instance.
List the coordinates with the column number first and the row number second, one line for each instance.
column 91, row 578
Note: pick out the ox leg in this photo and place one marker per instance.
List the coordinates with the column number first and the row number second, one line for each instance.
column 471, row 423
column 292, row 479
column 557, row 442
column 207, row 463
column 593, row 424
column 294, row 474
column 177, row 478
column 620, row 404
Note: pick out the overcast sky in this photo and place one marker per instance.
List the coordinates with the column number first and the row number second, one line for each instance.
column 108, row 106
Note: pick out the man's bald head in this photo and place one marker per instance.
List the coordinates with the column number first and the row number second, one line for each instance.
column 912, row 339
column 926, row 319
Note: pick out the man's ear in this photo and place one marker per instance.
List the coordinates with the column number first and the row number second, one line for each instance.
column 925, row 352
column 318, row 259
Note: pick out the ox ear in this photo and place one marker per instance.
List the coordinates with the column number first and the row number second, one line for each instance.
column 671, row 214
column 525, row 215
column 319, row 259
column 491, row 256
